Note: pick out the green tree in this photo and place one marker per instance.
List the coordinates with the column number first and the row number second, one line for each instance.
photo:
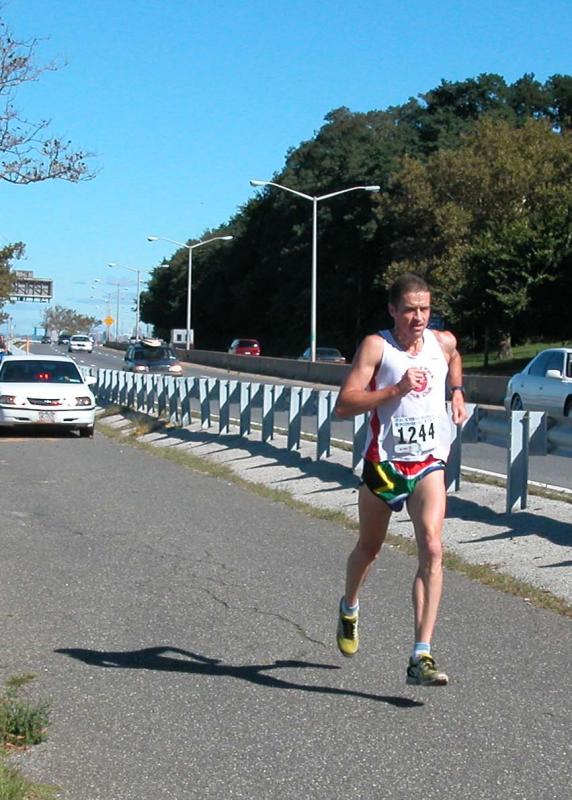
column 488, row 222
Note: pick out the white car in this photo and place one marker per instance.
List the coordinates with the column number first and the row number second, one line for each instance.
column 46, row 390
column 80, row 341
column 545, row 384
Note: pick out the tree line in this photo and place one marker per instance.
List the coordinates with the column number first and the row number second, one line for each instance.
column 476, row 195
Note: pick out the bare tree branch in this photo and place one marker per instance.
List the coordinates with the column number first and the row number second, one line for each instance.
column 26, row 155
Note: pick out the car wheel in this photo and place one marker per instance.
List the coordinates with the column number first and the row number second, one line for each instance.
column 86, row 433
column 516, row 403
column 568, row 407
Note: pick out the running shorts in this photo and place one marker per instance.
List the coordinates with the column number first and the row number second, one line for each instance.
column 394, row 481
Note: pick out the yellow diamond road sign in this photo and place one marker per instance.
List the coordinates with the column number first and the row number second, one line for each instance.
column 108, row 321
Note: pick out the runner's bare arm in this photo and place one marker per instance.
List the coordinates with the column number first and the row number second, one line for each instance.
column 354, row 397
column 455, row 376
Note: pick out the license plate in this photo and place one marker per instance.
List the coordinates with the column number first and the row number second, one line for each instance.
column 46, row 416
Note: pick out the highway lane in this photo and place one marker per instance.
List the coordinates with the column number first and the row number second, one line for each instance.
column 551, row 470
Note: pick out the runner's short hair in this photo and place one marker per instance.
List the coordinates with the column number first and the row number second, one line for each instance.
column 408, row 282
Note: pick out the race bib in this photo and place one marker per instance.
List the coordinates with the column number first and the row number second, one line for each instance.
column 413, row 435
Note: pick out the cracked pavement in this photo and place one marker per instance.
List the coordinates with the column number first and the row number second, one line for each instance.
column 183, row 628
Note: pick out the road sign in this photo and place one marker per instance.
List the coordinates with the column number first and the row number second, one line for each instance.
column 108, row 321
column 27, row 288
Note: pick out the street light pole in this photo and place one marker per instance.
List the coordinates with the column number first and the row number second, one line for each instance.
column 314, row 282
column 138, row 301
column 190, row 248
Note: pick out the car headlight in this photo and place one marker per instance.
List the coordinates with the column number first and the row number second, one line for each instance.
column 141, row 368
column 175, row 368
column 83, row 401
column 11, row 400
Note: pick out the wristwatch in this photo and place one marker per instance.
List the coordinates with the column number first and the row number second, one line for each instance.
column 457, row 389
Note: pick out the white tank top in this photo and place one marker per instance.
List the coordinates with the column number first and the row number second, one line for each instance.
column 415, row 426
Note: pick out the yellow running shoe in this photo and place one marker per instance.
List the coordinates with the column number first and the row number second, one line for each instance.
column 423, row 672
column 347, row 635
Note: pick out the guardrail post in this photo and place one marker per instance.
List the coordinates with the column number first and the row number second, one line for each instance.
column 151, row 394
column 204, row 404
column 122, row 388
column 359, row 437
column 244, row 408
column 467, row 432
column 324, row 423
column 185, row 388
column 105, row 386
column 223, row 406
column 130, row 390
column 267, row 412
column 140, row 381
column 172, row 400
column 161, row 396
column 294, row 418
column 517, row 461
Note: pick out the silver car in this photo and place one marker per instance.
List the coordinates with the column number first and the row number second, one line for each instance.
column 545, row 384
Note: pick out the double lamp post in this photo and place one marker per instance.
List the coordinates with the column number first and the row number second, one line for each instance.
column 257, row 183
column 190, row 248
column 314, row 200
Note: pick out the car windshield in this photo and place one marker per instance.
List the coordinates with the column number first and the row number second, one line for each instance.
column 328, row 351
column 31, row 371
column 247, row 343
column 154, row 354
column 80, row 338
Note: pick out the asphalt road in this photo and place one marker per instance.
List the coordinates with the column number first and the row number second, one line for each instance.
column 551, row 470
column 183, row 629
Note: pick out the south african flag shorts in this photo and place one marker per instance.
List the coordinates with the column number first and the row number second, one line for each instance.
column 394, row 481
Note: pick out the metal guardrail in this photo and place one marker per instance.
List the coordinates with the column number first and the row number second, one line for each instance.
column 187, row 400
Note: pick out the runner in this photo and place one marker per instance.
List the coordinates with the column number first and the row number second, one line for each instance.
column 400, row 377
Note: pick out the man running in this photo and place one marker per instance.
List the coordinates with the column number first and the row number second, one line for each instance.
column 400, row 377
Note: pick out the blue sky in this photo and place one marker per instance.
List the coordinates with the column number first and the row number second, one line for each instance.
column 183, row 101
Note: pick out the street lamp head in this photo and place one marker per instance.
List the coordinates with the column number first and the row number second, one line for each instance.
column 227, row 238
column 112, row 264
column 255, row 182
column 152, row 238
column 372, row 188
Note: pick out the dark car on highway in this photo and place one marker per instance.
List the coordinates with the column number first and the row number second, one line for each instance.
column 64, row 338
column 152, row 355
column 330, row 354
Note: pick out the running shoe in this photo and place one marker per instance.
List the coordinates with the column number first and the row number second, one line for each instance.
column 423, row 672
column 347, row 636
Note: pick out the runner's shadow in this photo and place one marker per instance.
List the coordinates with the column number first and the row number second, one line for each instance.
column 155, row 658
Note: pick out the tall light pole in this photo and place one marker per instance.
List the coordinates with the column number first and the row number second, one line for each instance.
column 138, row 308
column 314, row 200
column 119, row 288
column 190, row 248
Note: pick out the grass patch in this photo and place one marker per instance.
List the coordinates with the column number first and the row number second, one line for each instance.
column 521, row 355
column 23, row 722
column 483, row 573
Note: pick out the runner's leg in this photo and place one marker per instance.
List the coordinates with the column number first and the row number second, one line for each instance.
column 426, row 507
column 374, row 517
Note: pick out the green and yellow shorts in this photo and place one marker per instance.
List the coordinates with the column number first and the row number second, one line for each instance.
column 394, row 481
